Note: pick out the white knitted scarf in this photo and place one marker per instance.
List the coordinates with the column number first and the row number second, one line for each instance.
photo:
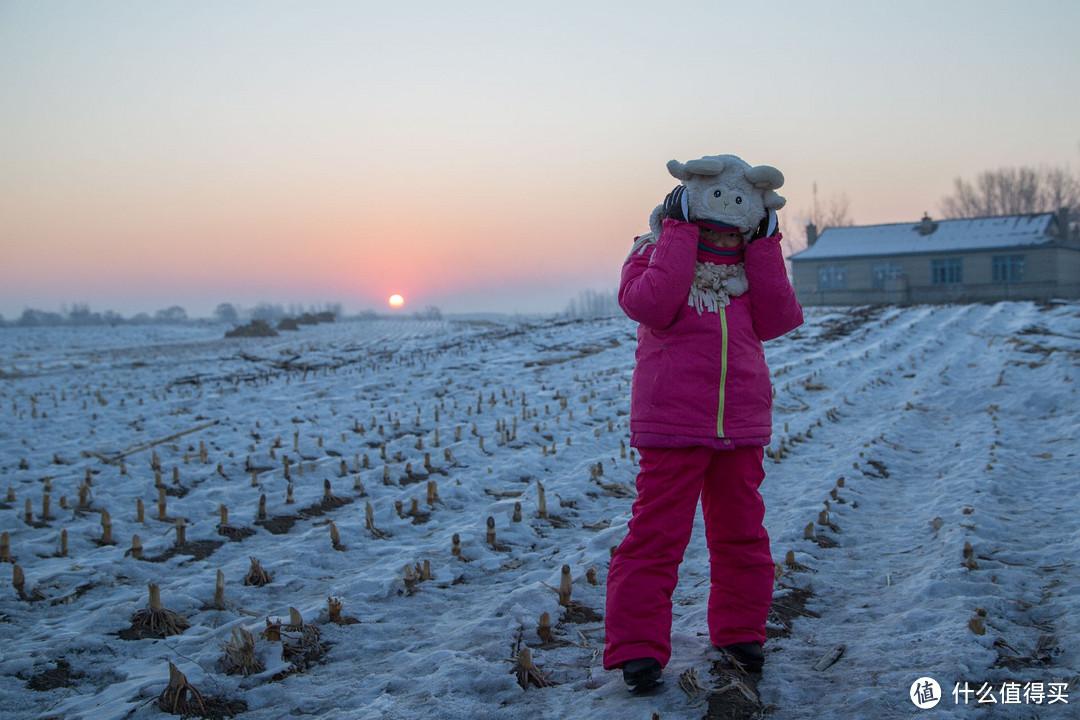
column 714, row 284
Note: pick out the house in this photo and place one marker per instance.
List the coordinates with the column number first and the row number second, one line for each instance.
column 1011, row 257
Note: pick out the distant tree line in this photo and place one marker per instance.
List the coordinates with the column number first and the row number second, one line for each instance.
column 594, row 304
column 80, row 315
column 1014, row 191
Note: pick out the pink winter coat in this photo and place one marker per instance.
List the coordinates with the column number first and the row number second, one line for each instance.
column 701, row 379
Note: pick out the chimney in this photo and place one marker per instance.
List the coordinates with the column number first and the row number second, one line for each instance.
column 811, row 235
column 926, row 226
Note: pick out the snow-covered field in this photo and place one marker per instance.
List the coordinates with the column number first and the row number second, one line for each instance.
column 940, row 441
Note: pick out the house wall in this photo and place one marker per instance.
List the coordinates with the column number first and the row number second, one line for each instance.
column 1067, row 264
column 1049, row 272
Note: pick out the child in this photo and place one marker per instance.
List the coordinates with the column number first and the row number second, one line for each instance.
column 706, row 286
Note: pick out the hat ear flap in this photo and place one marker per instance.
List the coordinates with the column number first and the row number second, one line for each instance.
column 772, row 201
column 678, row 170
column 765, row 177
column 708, row 167
column 656, row 221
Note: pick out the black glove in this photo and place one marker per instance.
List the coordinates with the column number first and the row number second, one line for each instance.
column 676, row 205
column 767, row 227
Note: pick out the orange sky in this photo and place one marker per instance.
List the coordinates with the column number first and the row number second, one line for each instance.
column 480, row 157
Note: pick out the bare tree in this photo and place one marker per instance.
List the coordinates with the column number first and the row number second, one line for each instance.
column 1014, row 191
column 833, row 212
column 594, row 304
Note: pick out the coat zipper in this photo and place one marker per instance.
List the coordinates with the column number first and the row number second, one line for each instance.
column 723, row 371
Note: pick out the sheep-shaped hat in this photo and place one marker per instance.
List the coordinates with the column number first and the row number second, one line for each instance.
column 727, row 191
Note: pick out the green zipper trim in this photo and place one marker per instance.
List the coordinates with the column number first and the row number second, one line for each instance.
column 723, row 372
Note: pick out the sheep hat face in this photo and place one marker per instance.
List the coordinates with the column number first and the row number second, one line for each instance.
column 726, row 190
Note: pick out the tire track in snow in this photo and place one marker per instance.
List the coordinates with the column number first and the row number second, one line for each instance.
column 899, row 610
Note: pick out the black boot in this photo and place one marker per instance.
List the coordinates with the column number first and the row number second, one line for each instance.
column 746, row 656
column 642, row 674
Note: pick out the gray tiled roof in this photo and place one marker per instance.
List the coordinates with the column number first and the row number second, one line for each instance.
column 949, row 236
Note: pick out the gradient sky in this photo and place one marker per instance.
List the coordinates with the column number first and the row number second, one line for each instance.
column 476, row 155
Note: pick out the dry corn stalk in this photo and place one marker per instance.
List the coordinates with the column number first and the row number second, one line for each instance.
column 136, row 548
column 689, row 684
column 590, row 576
column 527, row 673
column 156, row 619
column 181, row 532
column 239, row 657
column 541, row 500
column 272, row 632
column 565, row 586
column 969, row 557
column 455, row 546
column 335, row 606
column 106, row 528
column 335, row 537
column 410, row 579
column 543, row 629
column 299, row 642
column 180, row 697
column 369, row 522
column 328, row 495
column 256, row 575
column 5, row 549
column 18, row 580
column 219, row 592
column 491, row 539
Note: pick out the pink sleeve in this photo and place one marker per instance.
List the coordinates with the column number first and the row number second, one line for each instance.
column 656, row 282
column 773, row 306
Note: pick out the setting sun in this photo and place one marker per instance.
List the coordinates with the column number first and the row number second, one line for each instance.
column 396, row 301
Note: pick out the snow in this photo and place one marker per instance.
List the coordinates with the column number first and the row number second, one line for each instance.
column 962, row 235
column 948, row 424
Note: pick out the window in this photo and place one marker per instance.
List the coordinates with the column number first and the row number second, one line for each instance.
column 1008, row 268
column 832, row 277
column 886, row 271
column 949, row 271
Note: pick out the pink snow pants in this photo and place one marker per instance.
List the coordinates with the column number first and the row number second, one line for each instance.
column 645, row 567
